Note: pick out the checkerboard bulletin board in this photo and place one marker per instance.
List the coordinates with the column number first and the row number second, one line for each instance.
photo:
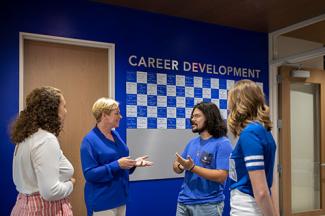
column 165, row 101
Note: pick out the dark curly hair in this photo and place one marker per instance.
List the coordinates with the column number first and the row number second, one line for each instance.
column 215, row 125
column 41, row 111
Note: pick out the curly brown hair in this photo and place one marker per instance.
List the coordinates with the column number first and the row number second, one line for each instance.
column 41, row 111
column 247, row 104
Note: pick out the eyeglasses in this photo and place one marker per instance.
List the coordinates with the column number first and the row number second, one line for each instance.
column 117, row 113
column 196, row 116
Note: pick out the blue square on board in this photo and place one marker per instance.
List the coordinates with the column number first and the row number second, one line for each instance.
column 131, row 76
column 142, row 111
column 131, row 99
column 152, row 100
column 198, row 92
column 188, row 123
column 152, row 78
column 131, row 122
column 189, row 81
column 215, row 93
column 161, row 90
column 206, row 82
column 162, row 112
column 222, row 84
column 189, row 102
column 141, row 88
column 171, row 101
column 180, row 112
column 180, row 91
column 223, row 104
column 171, row 79
column 171, row 123
column 152, row 123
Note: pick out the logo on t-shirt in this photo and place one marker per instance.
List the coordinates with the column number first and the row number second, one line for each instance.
column 232, row 170
column 206, row 158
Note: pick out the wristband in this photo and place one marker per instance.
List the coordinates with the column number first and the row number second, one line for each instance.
column 192, row 168
column 180, row 167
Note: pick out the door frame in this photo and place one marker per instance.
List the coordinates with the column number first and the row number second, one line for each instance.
column 70, row 41
column 317, row 76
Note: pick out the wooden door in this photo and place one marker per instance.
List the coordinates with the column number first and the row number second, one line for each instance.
column 81, row 73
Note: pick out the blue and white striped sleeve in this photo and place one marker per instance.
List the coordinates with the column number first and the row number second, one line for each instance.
column 252, row 148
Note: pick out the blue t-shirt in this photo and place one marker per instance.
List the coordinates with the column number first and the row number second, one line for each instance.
column 212, row 153
column 255, row 150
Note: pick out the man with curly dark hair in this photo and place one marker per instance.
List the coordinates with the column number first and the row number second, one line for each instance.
column 41, row 173
column 205, row 160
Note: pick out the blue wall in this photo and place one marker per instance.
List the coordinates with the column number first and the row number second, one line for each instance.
column 133, row 32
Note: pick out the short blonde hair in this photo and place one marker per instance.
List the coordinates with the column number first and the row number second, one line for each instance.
column 246, row 103
column 103, row 105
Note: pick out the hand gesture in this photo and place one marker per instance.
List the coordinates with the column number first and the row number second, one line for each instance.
column 188, row 163
column 126, row 162
column 142, row 162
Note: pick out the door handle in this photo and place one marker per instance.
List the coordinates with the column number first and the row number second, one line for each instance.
column 322, row 164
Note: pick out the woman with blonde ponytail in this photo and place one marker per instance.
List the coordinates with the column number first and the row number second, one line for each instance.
column 252, row 160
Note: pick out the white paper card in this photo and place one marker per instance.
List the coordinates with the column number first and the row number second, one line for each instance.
column 131, row 111
column 141, row 77
column 131, row 88
column 141, row 100
column 162, row 101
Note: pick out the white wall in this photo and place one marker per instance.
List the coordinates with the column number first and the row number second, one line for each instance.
column 290, row 46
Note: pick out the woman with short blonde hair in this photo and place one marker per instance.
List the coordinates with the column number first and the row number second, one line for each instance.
column 103, row 105
column 106, row 163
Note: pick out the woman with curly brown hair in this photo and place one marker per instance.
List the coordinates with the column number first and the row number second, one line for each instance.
column 252, row 160
column 41, row 173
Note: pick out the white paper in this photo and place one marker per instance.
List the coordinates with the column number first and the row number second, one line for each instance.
column 141, row 122
column 131, row 111
column 131, row 88
column 171, row 90
column 141, row 77
column 214, row 83
column 162, row 101
column 222, row 94
column 198, row 82
column 197, row 100
column 141, row 100
column 180, row 80
column 171, row 112
column 260, row 85
column 161, row 123
column 161, row 79
column 230, row 83
column 188, row 112
column 206, row 93
column 180, row 102
column 152, row 111
column 223, row 113
column 180, row 123
column 215, row 101
column 189, row 92
column 152, row 89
